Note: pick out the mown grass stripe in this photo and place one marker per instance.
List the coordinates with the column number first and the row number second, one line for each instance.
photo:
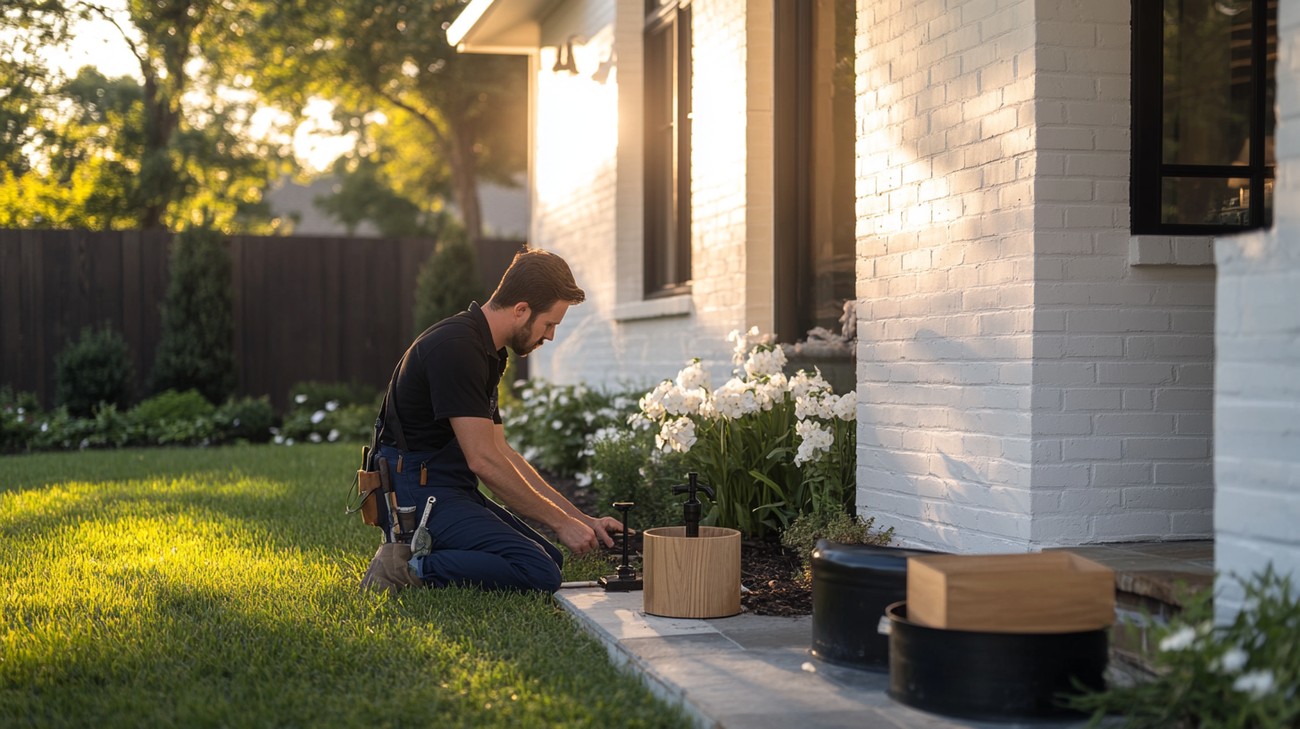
column 218, row 587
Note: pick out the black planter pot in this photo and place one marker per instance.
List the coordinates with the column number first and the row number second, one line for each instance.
column 990, row 676
column 852, row 584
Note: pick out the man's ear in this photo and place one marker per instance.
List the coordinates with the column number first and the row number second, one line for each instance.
column 521, row 311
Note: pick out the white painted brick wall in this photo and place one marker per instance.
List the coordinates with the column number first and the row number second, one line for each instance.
column 595, row 220
column 1257, row 426
column 1000, row 314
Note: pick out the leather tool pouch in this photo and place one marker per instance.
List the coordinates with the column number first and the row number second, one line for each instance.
column 368, row 492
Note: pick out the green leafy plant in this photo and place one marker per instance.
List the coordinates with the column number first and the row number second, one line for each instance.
column 803, row 534
column 19, row 413
column 180, row 418
column 549, row 424
column 625, row 466
column 94, row 369
column 247, row 418
column 772, row 447
column 1240, row 675
column 329, row 412
column 196, row 351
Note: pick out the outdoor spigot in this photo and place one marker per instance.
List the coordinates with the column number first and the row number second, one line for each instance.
column 691, row 510
column 625, row 580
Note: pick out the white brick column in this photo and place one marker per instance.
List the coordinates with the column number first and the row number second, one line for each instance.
column 1023, row 383
column 1257, row 398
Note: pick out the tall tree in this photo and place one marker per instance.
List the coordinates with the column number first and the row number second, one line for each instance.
column 393, row 56
column 180, row 132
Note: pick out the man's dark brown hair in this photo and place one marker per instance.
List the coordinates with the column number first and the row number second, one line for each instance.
column 538, row 278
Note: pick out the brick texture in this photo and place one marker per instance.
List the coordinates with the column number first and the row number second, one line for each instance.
column 1000, row 313
column 1257, row 423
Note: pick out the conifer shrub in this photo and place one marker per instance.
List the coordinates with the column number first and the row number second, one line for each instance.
column 94, row 369
column 448, row 281
column 196, row 350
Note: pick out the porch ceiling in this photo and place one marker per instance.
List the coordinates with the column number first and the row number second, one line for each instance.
column 499, row 26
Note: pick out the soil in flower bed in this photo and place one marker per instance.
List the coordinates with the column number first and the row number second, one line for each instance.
column 771, row 574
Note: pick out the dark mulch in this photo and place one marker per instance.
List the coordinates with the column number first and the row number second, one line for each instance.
column 771, row 574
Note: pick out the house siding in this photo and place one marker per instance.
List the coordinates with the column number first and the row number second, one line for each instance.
column 1022, row 384
column 1257, row 425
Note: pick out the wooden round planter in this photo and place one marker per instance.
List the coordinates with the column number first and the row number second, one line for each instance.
column 691, row 577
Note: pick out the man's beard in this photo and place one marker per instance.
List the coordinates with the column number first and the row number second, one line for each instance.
column 521, row 341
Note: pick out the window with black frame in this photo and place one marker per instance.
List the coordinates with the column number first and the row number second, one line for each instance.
column 667, row 148
column 815, row 192
column 1203, row 90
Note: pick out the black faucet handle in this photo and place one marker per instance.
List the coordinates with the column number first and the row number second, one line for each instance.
column 623, row 506
column 708, row 490
column 681, row 488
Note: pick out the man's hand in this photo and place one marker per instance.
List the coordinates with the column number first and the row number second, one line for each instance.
column 604, row 526
column 577, row 536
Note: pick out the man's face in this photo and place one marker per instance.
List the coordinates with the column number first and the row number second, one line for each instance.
column 539, row 327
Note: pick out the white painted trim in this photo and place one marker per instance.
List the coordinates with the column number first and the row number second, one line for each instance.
column 654, row 308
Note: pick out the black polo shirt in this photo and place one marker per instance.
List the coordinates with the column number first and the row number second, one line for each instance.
column 450, row 371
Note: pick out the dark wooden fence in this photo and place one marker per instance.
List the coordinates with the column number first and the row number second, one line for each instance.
column 323, row 309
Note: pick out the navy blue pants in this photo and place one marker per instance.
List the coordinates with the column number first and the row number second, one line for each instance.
column 476, row 542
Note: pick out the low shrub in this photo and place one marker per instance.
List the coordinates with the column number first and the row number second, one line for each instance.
column 1242, row 675
column 626, row 466
column 550, row 423
column 95, row 369
column 18, row 419
column 176, row 418
column 248, row 419
column 322, row 412
column 838, row 526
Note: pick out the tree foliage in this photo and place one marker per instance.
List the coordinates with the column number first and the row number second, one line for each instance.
column 170, row 148
column 464, row 113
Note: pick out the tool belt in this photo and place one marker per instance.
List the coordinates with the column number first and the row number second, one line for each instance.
column 373, row 483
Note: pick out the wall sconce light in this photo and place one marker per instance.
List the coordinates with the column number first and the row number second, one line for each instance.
column 602, row 71
column 564, row 58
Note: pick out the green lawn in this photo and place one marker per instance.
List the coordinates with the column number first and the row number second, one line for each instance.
column 218, row 587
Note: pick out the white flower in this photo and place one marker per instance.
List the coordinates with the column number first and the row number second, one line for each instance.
column 334, row 434
column 582, row 478
column 288, row 441
column 1180, row 639
column 803, row 383
column 556, row 424
column 764, row 361
column 735, row 399
column 815, row 405
column 637, row 421
column 300, row 398
column 693, row 376
column 564, row 400
column 317, row 416
column 814, row 440
column 1233, row 660
column 1256, row 683
column 314, row 438
column 652, row 403
column 530, row 453
column 332, row 405
column 279, row 439
column 677, row 434
column 846, row 408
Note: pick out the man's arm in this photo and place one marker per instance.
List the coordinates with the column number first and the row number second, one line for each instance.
column 602, row 526
column 479, row 441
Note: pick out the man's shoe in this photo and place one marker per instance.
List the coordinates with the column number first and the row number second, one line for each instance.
column 389, row 570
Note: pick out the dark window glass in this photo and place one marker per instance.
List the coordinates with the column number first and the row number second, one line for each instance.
column 815, row 214
column 1203, row 85
column 667, row 148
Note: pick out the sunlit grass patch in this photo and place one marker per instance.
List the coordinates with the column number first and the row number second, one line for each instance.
column 218, row 587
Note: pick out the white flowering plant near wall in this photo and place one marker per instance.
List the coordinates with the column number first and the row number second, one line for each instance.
column 773, row 446
column 1242, row 675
